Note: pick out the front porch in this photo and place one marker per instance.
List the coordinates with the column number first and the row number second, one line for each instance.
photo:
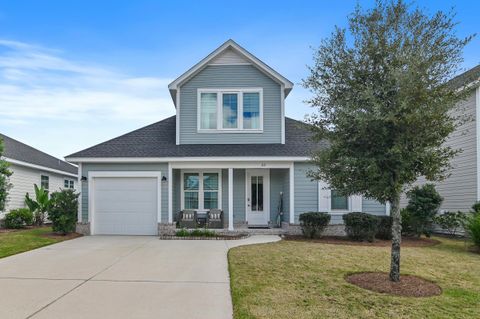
column 249, row 195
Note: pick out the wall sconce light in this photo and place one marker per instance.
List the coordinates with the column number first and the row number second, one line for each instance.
column 164, row 178
column 83, row 179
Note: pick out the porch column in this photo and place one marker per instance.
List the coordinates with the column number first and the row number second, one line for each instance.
column 170, row 192
column 79, row 185
column 230, row 199
column 292, row 193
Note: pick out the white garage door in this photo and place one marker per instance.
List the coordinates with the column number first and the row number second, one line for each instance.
column 125, row 205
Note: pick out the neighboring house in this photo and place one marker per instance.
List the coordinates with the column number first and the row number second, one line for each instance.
column 31, row 166
column 229, row 146
column 462, row 188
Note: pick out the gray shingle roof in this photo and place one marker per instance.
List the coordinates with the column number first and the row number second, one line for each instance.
column 158, row 140
column 466, row 77
column 21, row 152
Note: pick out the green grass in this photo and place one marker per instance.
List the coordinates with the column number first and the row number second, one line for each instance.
column 306, row 280
column 15, row 242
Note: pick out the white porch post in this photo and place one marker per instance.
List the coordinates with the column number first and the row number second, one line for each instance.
column 79, row 213
column 170, row 192
column 230, row 199
column 387, row 208
column 292, row 193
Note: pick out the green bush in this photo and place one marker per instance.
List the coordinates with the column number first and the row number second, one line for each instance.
column 476, row 207
column 384, row 227
column 202, row 233
column 63, row 211
column 360, row 226
column 423, row 204
column 18, row 218
column 451, row 221
column 472, row 227
column 182, row 233
column 313, row 223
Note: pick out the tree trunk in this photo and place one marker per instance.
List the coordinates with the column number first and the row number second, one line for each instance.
column 396, row 238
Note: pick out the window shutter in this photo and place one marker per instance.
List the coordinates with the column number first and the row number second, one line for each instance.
column 323, row 197
column 356, row 203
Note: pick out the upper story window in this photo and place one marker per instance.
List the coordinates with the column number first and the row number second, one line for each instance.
column 44, row 182
column 230, row 110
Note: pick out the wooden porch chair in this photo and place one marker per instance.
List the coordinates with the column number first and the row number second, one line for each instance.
column 215, row 218
column 187, row 218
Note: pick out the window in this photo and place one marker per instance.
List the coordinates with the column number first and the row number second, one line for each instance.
column 338, row 202
column 69, row 184
column 44, row 181
column 208, row 111
column 201, row 190
column 251, row 110
column 230, row 110
column 191, row 189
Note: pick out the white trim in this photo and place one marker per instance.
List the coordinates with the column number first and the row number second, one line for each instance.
column 282, row 111
column 292, row 192
column 79, row 214
column 188, row 159
column 170, row 193
column 477, row 124
column 250, row 57
column 99, row 174
column 230, row 199
column 217, row 165
column 219, row 92
column 177, row 119
column 388, row 208
column 266, row 193
column 200, row 173
column 40, row 167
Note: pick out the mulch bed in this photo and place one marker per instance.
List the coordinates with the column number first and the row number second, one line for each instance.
column 337, row 240
column 63, row 237
column 408, row 286
column 218, row 237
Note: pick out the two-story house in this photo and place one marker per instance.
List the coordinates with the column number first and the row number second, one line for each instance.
column 229, row 147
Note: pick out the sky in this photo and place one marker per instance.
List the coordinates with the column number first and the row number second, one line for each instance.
column 76, row 73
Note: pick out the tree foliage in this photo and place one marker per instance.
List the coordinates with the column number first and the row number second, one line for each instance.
column 5, row 173
column 38, row 206
column 423, row 204
column 383, row 101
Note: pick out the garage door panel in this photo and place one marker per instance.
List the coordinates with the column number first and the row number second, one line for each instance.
column 125, row 205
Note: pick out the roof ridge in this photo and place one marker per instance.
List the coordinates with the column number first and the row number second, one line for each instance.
column 3, row 136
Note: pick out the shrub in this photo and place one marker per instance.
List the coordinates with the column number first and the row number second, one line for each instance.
column 384, row 227
column 476, row 207
column 313, row 223
column 63, row 211
column 202, row 233
column 472, row 227
column 450, row 221
column 360, row 226
column 423, row 204
column 182, row 233
column 18, row 218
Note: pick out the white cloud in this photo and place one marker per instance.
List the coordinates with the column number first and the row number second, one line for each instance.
column 37, row 82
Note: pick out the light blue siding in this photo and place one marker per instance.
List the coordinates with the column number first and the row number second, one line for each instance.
column 306, row 190
column 371, row 206
column 162, row 167
column 230, row 76
column 239, row 196
column 277, row 185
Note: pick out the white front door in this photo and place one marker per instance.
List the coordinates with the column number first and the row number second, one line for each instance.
column 258, row 196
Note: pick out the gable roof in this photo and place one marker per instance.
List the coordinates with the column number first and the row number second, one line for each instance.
column 229, row 46
column 468, row 78
column 158, row 140
column 19, row 151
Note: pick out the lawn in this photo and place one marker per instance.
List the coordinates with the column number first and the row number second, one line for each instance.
column 306, row 280
column 15, row 242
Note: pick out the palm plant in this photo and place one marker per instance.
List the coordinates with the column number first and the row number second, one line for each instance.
column 38, row 206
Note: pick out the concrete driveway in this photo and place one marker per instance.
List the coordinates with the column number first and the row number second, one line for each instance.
column 120, row 277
